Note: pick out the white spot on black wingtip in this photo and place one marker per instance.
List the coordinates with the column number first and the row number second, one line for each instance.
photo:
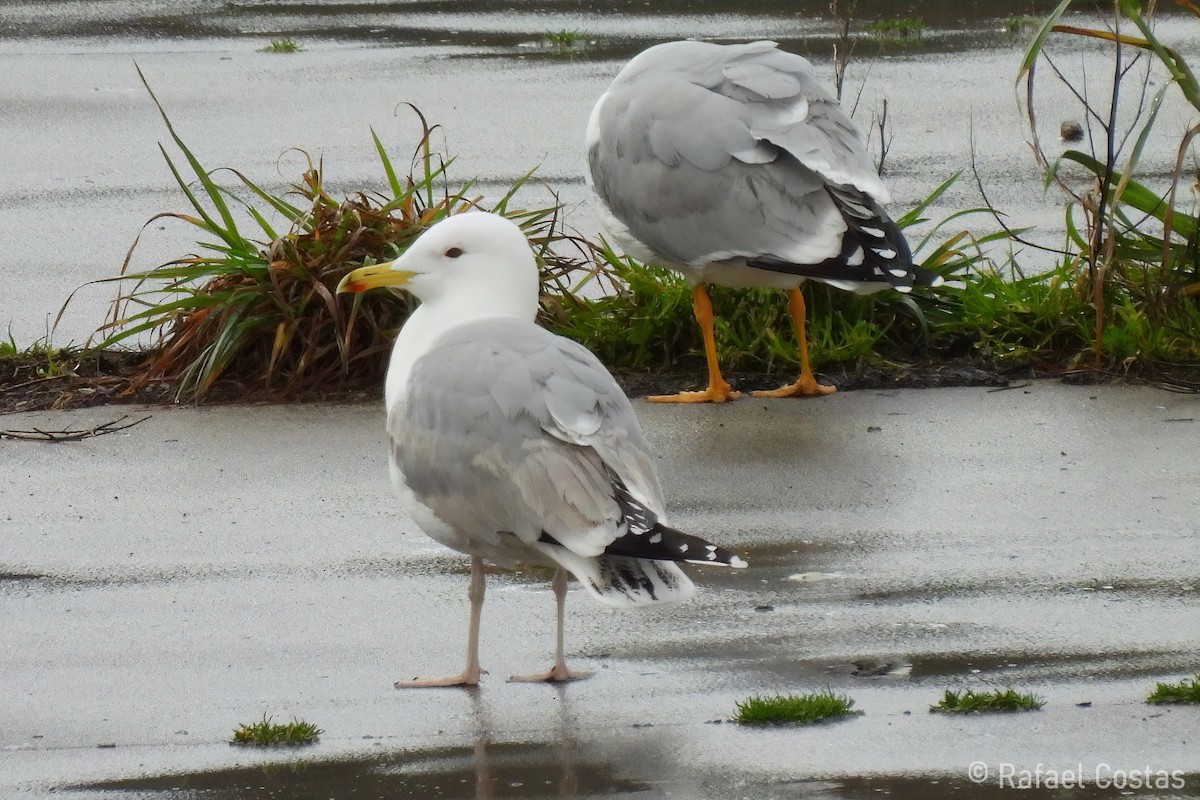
column 683, row 548
column 896, row 273
column 712, row 556
column 876, row 232
column 656, row 538
column 710, row 547
column 855, row 258
column 904, row 289
column 889, row 254
column 738, row 563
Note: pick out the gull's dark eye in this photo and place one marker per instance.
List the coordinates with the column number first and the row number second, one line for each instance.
column 454, row 252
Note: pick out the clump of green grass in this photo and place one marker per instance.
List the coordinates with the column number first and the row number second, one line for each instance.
column 1019, row 25
column 1133, row 249
column 258, row 306
column 791, row 709
column 1186, row 691
column 648, row 321
column 970, row 701
column 904, row 28
column 39, row 360
column 284, row 45
column 1010, row 318
column 266, row 733
column 564, row 39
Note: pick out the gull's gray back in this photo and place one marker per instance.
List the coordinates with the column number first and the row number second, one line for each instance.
column 506, row 428
column 712, row 153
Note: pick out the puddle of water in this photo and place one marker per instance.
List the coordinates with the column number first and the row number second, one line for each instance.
column 486, row 770
column 490, row 771
column 435, row 564
column 21, row 576
column 1043, row 666
column 959, row 667
column 1116, row 589
column 774, row 563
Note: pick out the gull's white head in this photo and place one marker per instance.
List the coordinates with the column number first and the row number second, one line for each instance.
column 472, row 264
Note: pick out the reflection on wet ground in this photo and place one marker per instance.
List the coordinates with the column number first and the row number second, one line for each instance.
column 26, row 583
column 784, row 660
column 561, row 766
column 486, row 770
column 568, row 769
column 1042, row 666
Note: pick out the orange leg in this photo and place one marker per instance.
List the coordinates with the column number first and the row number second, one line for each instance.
column 718, row 390
column 806, row 385
column 471, row 672
column 559, row 673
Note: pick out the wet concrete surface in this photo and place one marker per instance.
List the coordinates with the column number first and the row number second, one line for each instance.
column 82, row 171
column 160, row 586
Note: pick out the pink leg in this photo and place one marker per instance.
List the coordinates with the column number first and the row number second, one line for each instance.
column 470, row 674
column 559, row 672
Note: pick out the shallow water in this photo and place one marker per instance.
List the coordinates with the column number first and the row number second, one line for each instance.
column 565, row 768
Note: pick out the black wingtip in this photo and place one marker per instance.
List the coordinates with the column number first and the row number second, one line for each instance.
column 661, row 543
column 874, row 249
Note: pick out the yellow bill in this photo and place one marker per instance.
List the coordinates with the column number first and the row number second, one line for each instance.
column 374, row 277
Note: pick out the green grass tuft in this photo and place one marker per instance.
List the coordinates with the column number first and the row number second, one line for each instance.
column 996, row 701
column 1186, row 691
column 284, row 45
column 38, row 361
column 791, row 709
column 905, row 28
column 564, row 43
column 1020, row 25
column 563, row 39
column 266, row 733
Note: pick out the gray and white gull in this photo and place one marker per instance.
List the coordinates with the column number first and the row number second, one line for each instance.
column 511, row 444
column 732, row 165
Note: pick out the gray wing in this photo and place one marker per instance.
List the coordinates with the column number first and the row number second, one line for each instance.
column 709, row 153
column 507, row 428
